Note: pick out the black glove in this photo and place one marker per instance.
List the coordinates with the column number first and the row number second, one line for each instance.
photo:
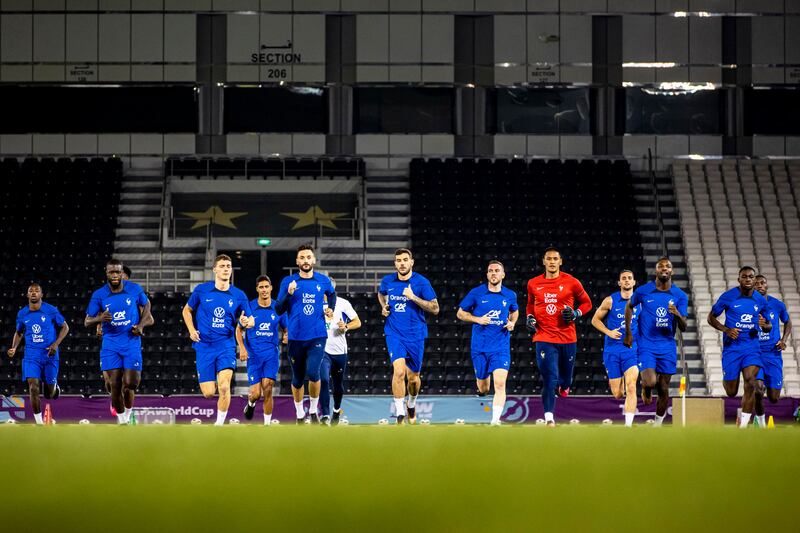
column 530, row 323
column 569, row 314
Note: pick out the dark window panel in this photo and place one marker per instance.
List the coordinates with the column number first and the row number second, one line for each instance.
column 276, row 109
column 541, row 111
column 772, row 111
column 656, row 111
column 404, row 110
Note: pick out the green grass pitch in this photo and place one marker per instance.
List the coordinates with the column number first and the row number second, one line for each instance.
column 412, row 479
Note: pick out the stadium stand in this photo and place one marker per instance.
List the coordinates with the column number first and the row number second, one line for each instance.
column 735, row 214
column 58, row 219
column 466, row 212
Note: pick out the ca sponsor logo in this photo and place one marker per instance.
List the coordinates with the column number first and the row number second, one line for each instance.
column 747, row 318
column 308, row 310
column 119, row 315
column 264, row 326
column 493, row 314
column 551, row 309
column 219, row 312
column 400, row 307
column 37, row 328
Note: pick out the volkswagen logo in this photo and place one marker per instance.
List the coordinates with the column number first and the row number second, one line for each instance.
column 219, row 312
column 37, row 328
column 551, row 309
column 661, row 312
column 308, row 309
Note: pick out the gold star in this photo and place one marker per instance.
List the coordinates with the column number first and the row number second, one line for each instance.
column 214, row 215
column 314, row 215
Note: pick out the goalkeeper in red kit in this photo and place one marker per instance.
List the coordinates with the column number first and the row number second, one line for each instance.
column 555, row 301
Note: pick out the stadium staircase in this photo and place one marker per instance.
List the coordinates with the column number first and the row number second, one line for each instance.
column 159, row 262
column 387, row 220
column 646, row 187
column 735, row 214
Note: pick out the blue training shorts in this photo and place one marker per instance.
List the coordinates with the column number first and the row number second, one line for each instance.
column 734, row 362
column 410, row 350
column 662, row 363
column 487, row 362
column 129, row 358
column 619, row 360
column 263, row 365
column 38, row 365
column 213, row 358
column 306, row 358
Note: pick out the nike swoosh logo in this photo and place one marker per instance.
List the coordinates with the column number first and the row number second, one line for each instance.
column 210, row 300
column 649, row 301
column 539, row 288
column 735, row 306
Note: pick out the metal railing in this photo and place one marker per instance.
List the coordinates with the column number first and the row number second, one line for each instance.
column 304, row 166
column 346, row 277
column 161, row 276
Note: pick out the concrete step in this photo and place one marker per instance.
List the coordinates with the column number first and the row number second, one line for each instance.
column 140, row 208
column 374, row 197
column 137, row 219
column 142, row 186
column 152, row 196
column 138, row 231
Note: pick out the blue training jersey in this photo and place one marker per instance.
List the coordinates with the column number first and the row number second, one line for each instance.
column 40, row 326
column 741, row 312
column 615, row 320
column 305, row 309
column 656, row 325
column 217, row 312
column 264, row 337
column 406, row 319
column 480, row 301
column 124, row 309
column 777, row 315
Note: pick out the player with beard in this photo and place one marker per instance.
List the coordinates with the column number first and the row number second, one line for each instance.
column 493, row 311
column 741, row 348
column 663, row 309
column 126, row 275
column 123, row 309
column 37, row 323
column 404, row 298
column 770, row 377
column 306, row 298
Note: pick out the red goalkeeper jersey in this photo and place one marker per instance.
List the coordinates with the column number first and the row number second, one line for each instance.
column 547, row 298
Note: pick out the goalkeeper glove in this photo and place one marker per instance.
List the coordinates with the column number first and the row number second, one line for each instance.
column 569, row 314
column 530, row 323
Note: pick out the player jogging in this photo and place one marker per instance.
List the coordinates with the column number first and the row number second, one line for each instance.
column 772, row 344
column 741, row 348
column 621, row 363
column 37, row 323
column 493, row 311
column 123, row 309
column 663, row 308
column 555, row 301
column 302, row 297
column 334, row 361
column 209, row 315
column 405, row 297
column 261, row 348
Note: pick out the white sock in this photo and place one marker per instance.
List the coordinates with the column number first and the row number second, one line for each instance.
column 658, row 420
column 745, row 419
column 38, row 418
column 298, row 409
column 629, row 419
column 412, row 401
column 548, row 417
column 267, row 419
column 762, row 420
column 312, row 410
column 398, row 406
column 251, row 403
column 127, row 414
column 121, row 418
column 221, row 416
column 496, row 412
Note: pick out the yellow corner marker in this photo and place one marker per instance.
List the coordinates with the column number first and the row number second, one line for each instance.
column 682, row 389
column 770, row 422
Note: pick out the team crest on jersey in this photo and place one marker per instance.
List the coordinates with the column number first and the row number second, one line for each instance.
column 273, row 316
column 318, row 288
column 43, row 318
column 560, row 288
column 230, row 303
column 128, row 301
column 504, row 303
